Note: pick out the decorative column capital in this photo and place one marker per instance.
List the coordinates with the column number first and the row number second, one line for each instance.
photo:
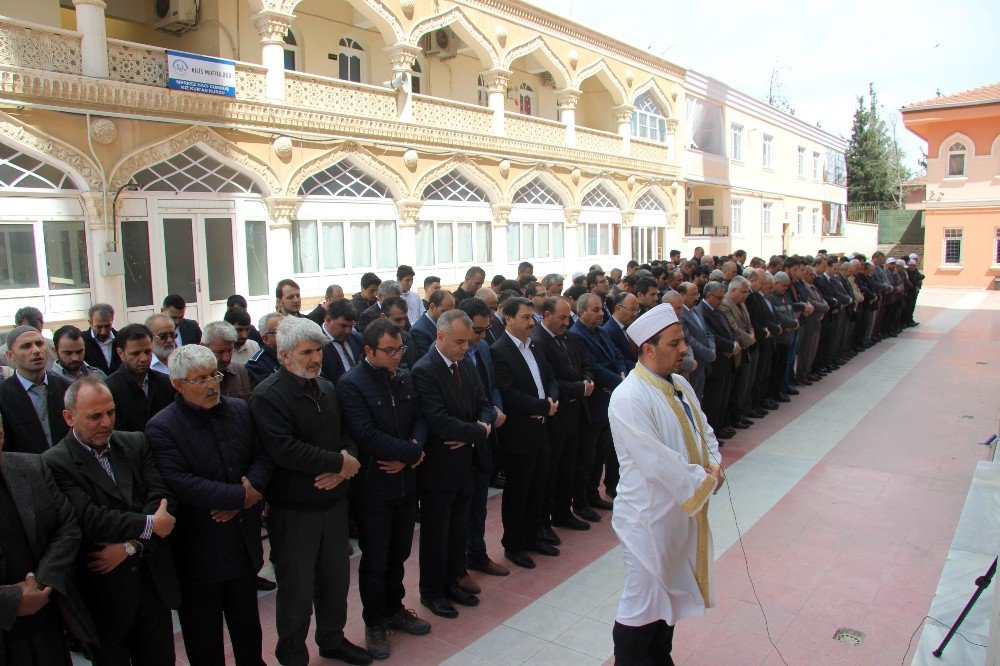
column 567, row 98
column 409, row 211
column 672, row 219
column 93, row 205
column 572, row 217
column 100, row 4
column 627, row 216
column 282, row 211
column 272, row 26
column 671, row 125
column 623, row 113
column 501, row 214
column 497, row 80
column 402, row 56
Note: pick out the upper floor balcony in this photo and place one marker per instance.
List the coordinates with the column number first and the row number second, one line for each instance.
column 84, row 69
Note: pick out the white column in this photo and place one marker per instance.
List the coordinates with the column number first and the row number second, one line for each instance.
column 625, row 249
column 566, row 101
column 623, row 118
column 497, row 81
column 406, row 231
column 571, row 239
column 94, row 46
column 279, row 236
column 501, row 217
column 272, row 27
column 402, row 57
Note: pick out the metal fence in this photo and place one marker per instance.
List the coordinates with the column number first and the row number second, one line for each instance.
column 867, row 212
column 707, row 231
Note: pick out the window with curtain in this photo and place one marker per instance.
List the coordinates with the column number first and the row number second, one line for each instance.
column 351, row 60
column 817, row 173
column 445, row 243
column 463, row 242
column 484, row 242
column 802, row 162
column 18, row 265
column 648, row 120
column 767, row 155
column 736, row 142
column 704, row 121
column 816, row 227
column 335, row 245
column 425, row 243
column 956, row 159
column 66, row 254
column 334, row 257
column 256, row 233
column 800, row 220
column 736, row 217
column 305, row 246
column 361, row 247
column 385, row 244
column 765, row 219
column 513, row 242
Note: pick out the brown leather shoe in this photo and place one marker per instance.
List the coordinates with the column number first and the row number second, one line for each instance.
column 489, row 567
column 466, row 584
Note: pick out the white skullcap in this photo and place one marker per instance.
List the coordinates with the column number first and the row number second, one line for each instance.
column 651, row 323
column 890, row 260
column 914, row 255
column 576, row 275
column 913, row 262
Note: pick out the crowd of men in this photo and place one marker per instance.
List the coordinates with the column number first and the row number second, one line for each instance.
column 139, row 464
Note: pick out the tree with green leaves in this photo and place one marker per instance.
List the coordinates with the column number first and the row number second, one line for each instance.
column 875, row 168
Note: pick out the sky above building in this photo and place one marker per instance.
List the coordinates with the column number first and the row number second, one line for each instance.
column 826, row 52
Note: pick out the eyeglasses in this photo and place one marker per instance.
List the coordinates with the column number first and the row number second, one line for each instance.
column 479, row 330
column 167, row 335
column 392, row 351
column 214, row 377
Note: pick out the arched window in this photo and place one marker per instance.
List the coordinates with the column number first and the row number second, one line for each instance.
column 599, row 197
column 482, row 94
column 648, row 121
column 416, row 76
column 454, row 187
column 956, row 159
column 598, row 230
column 454, row 235
column 535, row 233
column 343, row 180
column 648, row 202
column 526, row 99
column 536, row 193
column 291, row 51
column 351, row 60
column 194, row 171
column 21, row 171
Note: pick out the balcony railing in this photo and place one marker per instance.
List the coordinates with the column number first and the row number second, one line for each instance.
column 309, row 91
column 36, row 47
column 706, row 231
column 597, row 141
column 535, row 130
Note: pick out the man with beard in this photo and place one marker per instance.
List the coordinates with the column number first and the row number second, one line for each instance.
column 220, row 338
column 625, row 309
column 207, row 450
column 288, row 298
column 164, row 342
column 244, row 348
column 31, row 401
column 298, row 419
column 647, row 293
column 188, row 331
column 265, row 363
column 99, row 339
column 138, row 393
column 70, row 355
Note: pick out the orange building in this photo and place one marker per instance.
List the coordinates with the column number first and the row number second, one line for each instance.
column 962, row 201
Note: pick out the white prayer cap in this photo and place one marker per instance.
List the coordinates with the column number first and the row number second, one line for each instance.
column 576, row 275
column 913, row 262
column 651, row 323
column 914, row 255
column 890, row 260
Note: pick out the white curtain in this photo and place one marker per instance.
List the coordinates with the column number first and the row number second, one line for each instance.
column 361, row 245
column 304, row 245
column 484, row 242
column 333, row 245
column 528, row 240
column 513, row 242
column 445, row 242
column 558, row 241
column 464, row 242
column 425, row 243
column 543, row 241
column 385, row 243
column 705, row 126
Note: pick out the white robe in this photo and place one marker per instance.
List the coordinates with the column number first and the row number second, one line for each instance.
column 662, row 505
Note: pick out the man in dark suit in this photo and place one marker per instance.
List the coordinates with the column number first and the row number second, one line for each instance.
column 474, row 278
column 497, row 326
column 718, row 384
column 188, row 330
column 366, row 298
column 99, row 339
column 596, row 447
column 346, row 347
column 531, row 396
column 387, row 289
column 698, row 336
column 396, row 310
column 40, row 541
column 138, row 393
column 575, row 380
column 424, row 330
column 31, row 401
column 624, row 310
column 333, row 293
column 125, row 566
column 460, row 417
column 264, row 361
column 766, row 330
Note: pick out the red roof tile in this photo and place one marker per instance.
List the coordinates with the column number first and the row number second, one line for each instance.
column 982, row 95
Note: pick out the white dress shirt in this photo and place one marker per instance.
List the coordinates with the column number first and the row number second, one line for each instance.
column 529, row 358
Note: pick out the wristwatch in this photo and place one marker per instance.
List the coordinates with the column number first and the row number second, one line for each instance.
column 130, row 549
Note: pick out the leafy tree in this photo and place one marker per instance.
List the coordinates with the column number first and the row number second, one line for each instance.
column 875, row 168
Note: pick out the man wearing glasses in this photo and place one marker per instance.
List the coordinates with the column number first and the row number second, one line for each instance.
column 382, row 413
column 138, row 393
column 207, row 449
column 265, row 362
column 164, row 341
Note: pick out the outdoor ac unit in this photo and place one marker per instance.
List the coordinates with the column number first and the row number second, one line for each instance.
column 689, row 193
column 446, row 44
column 176, row 16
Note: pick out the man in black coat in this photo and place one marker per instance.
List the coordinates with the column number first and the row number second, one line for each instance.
column 31, row 401
column 99, row 339
column 138, row 393
column 333, row 293
column 531, row 395
column 40, row 541
column 575, row 379
column 188, row 330
column 396, row 310
column 766, row 330
column 474, row 278
column 719, row 383
column 460, row 418
column 298, row 419
column 346, row 346
column 264, row 362
column 207, row 449
column 125, row 567
column 382, row 413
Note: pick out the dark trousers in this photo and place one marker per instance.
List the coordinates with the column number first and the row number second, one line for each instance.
column 793, row 352
column 309, row 550
column 204, row 605
column 524, row 493
column 475, row 548
column 133, row 623
column 36, row 640
column 739, row 399
column 762, row 373
column 647, row 645
column 595, row 444
column 444, row 526
column 717, row 389
column 564, row 436
column 385, row 534
column 778, row 364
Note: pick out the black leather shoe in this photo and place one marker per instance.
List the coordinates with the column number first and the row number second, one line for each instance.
column 440, row 607
column 460, row 596
column 588, row 513
column 520, row 558
column 571, row 522
column 771, row 404
column 783, row 398
column 598, row 503
column 498, row 481
column 265, row 585
column 741, row 425
column 349, row 653
column 792, row 391
column 408, row 622
column 543, row 549
column 546, row 535
column 377, row 641
column 726, row 433
column 758, row 413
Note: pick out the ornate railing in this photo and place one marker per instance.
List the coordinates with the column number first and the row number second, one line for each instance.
column 336, row 96
column 597, row 141
column 446, row 114
column 536, row 130
column 251, row 82
column 47, row 49
column 649, row 151
column 137, row 63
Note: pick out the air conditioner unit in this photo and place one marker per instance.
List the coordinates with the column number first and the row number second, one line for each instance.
column 176, row 16
column 548, row 80
column 689, row 193
column 446, row 43
column 427, row 45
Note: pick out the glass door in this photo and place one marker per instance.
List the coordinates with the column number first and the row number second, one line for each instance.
column 199, row 261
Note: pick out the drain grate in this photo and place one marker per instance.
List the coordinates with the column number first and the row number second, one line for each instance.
column 849, row 636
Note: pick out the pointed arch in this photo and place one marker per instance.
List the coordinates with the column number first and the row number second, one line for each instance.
column 550, row 180
column 654, row 90
column 657, row 192
column 222, row 149
column 957, row 137
column 544, row 53
column 374, row 10
column 83, row 171
column 467, row 169
column 603, row 72
column 358, row 157
column 456, row 19
column 612, row 188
